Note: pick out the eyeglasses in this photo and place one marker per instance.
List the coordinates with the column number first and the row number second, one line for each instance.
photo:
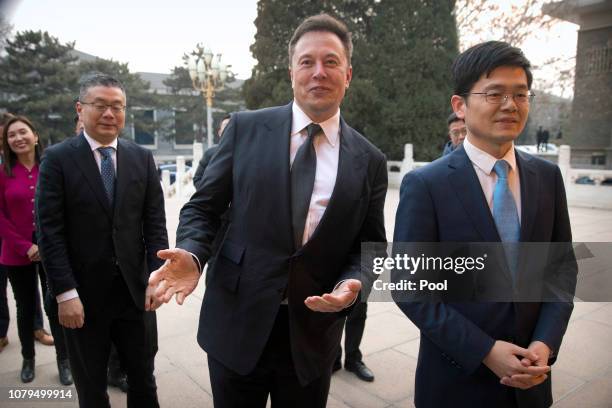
column 116, row 108
column 458, row 132
column 498, row 98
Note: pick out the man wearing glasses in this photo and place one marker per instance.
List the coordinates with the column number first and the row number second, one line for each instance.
column 101, row 222
column 487, row 354
column 456, row 133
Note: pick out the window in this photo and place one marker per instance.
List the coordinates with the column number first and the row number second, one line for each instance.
column 184, row 129
column 598, row 159
column 144, row 121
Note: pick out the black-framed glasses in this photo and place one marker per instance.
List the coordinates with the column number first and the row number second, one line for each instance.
column 102, row 107
column 499, row 98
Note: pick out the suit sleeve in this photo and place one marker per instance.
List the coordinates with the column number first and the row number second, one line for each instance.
column 554, row 316
column 154, row 217
column 200, row 218
column 197, row 176
column 51, row 224
column 452, row 332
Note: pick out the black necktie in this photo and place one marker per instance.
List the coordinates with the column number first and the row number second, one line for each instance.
column 302, row 182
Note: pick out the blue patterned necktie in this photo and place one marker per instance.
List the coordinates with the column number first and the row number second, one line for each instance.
column 505, row 215
column 107, row 171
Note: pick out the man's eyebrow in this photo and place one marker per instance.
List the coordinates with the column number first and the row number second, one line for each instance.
column 501, row 87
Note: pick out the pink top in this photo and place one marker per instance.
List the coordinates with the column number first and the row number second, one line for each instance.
column 17, row 214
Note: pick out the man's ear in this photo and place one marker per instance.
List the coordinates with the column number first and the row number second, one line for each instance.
column 458, row 103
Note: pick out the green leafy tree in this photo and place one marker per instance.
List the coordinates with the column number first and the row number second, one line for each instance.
column 412, row 44
column 5, row 30
column 38, row 78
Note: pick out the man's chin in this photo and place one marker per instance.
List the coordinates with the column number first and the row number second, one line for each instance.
column 104, row 137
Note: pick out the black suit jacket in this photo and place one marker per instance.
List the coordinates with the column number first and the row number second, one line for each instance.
column 82, row 240
column 444, row 202
column 257, row 262
column 208, row 154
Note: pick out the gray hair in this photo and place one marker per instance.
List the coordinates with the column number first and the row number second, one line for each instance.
column 98, row 79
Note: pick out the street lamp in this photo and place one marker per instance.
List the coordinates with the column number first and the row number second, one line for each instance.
column 208, row 75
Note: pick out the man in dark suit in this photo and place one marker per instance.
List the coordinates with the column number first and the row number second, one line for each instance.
column 486, row 354
column 305, row 190
column 101, row 221
column 209, row 153
column 353, row 333
column 456, row 133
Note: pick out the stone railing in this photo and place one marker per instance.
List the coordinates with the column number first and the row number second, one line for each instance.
column 182, row 186
column 584, row 187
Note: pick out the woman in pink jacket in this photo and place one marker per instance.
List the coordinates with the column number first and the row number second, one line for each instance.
column 19, row 254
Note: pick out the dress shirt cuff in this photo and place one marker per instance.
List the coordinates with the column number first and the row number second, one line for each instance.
column 197, row 261
column 354, row 300
column 70, row 294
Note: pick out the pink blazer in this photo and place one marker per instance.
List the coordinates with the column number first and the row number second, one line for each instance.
column 17, row 214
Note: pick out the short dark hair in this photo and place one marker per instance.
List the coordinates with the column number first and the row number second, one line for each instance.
column 483, row 58
column 4, row 117
column 98, row 79
column 326, row 23
column 10, row 156
column 453, row 118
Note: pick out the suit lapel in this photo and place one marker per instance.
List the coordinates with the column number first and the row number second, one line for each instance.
column 467, row 187
column 465, row 182
column 274, row 153
column 123, row 157
column 86, row 162
column 529, row 193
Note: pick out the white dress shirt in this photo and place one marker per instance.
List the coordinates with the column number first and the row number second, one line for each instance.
column 327, row 148
column 483, row 164
column 94, row 144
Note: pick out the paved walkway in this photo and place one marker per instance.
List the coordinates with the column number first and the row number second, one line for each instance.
column 582, row 375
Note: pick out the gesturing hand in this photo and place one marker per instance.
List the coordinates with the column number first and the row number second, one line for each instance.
column 178, row 275
column 151, row 301
column 339, row 299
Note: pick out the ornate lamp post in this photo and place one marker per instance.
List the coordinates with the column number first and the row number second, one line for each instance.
column 208, row 75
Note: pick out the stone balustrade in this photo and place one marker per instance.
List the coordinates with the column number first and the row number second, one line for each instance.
column 590, row 188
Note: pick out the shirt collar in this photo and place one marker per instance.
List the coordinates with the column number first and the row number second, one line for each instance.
column 94, row 144
column 483, row 160
column 331, row 127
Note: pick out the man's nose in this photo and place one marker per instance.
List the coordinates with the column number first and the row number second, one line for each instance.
column 509, row 103
column 108, row 112
column 319, row 71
